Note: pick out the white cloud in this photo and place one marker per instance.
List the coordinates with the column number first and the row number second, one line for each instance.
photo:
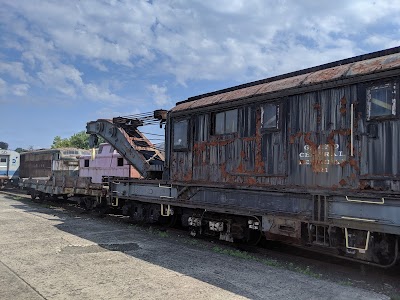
column 3, row 87
column 14, row 70
column 159, row 93
column 196, row 40
column 20, row 89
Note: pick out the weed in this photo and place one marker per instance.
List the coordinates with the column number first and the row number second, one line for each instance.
column 162, row 234
column 271, row 263
column 307, row 271
column 235, row 253
column 346, row 283
column 192, row 242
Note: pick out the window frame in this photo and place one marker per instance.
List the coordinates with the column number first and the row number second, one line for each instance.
column 278, row 111
column 224, row 112
column 395, row 99
column 177, row 148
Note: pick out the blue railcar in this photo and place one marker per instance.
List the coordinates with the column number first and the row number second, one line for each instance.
column 9, row 166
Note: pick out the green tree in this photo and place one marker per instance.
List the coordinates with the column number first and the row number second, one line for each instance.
column 3, row 145
column 78, row 140
column 19, row 150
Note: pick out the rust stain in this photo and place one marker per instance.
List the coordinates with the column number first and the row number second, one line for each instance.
column 342, row 182
column 354, row 164
column 251, row 180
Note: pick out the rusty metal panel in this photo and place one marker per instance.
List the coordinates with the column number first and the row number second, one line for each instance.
column 375, row 65
column 282, row 84
column 181, row 166
column 240, row 93
column 327, row 74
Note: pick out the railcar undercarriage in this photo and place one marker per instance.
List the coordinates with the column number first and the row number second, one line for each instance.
column 233, row 224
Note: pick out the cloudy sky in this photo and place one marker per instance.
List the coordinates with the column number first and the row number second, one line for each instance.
column 66, row 62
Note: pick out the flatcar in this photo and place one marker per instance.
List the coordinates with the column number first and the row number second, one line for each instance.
column 9, row 166
column 46, row 163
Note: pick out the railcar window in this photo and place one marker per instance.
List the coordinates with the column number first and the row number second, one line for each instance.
column 100, row 149
column 226, row 122
column 120, row 162
column 181, row 134
column 86, row 163
column 381, row 101
column 270, row 116
column 201, row 128
column 3, row 160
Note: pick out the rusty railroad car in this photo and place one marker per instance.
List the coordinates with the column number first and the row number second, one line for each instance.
column 45, row 163
column 310, row 158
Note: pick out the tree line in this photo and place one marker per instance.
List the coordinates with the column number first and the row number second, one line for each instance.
column 78, row 140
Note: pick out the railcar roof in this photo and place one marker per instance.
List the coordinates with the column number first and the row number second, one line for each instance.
column 52, row 150
column 356, row 66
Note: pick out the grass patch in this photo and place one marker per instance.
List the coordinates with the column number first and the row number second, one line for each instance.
column 346, row 283
column 268, row 262
column 235, row 253
column 158, row 232
column 272, row 263
column 162, row 234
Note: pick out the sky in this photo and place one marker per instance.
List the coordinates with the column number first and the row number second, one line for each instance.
column 64, row 63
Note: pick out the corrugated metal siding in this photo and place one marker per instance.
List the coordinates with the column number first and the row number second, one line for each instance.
column 266, row 158
column 312, row 148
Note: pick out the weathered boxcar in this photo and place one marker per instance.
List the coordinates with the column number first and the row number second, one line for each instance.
column 314, row 154
column 48, row 162
column 9, row 166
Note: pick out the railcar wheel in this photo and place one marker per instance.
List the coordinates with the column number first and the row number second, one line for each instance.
column 254, row 237
column 42, row 196
column 168, row 221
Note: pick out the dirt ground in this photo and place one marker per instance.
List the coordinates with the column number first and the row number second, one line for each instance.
column 57, row 252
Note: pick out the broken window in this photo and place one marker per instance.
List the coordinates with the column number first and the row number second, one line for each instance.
column 270, row 116
column 381, row 101
column 226, row 122
column 180, row 135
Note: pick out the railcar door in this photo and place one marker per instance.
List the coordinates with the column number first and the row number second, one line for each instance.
column 181, row 150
